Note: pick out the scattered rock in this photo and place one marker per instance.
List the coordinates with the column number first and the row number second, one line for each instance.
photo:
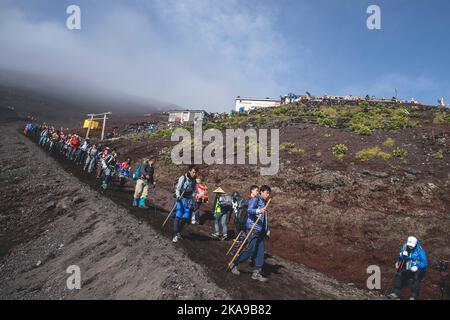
column 50, row 206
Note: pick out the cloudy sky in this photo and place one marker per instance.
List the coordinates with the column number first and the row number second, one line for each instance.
column 204, row 53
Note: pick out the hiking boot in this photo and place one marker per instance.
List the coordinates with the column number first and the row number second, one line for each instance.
column 393, row 296
column 104, row 186
column 258, row 276
column 135, row 202
column 215, row 235
column 175, row 239
column 235, row 270
column 142, row 204
column 179, row 236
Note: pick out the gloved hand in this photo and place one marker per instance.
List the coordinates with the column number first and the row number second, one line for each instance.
column 414, row 269
column 405, row 253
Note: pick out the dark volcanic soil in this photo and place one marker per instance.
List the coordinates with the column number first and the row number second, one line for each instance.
column 51, row 220
column 341, row 216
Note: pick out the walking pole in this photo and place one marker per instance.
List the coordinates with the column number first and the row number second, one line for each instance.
column 400, row 267
column 234, row 243
column 246, row 238
column 170, row 213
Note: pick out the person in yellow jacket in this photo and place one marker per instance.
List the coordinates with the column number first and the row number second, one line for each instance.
column 222, row 206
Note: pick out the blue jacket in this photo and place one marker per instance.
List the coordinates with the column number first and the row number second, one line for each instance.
column 254, row 205
column 417, row 257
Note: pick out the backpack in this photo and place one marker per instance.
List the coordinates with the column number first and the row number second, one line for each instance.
column 226, row 202
column 137, row 173
column 240, row 213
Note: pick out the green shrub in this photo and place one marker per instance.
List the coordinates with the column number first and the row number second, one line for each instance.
column 297, row 151
column 389, row 143
column 384, row 155
column 399, row 152
column 287, row 146
column 441, row 118
column 364, row 131
column 339, row 150
column 370, row 153
column 163, row 133
column 280, row 110
column 367, row 154
column 327, row 122
column 438, row 155
column 135, row 138
column 386, row 119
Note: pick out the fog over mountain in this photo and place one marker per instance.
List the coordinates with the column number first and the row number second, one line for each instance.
column 56, row 99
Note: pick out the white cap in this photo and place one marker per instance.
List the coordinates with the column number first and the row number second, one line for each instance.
column 412, row 242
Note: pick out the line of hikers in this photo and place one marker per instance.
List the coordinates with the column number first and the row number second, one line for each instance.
column 250, row 215
column 92, row 157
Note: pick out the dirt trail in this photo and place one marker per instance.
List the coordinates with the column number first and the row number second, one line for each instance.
column 48, row 215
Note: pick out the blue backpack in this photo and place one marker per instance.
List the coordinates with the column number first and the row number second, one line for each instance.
column 137, row 173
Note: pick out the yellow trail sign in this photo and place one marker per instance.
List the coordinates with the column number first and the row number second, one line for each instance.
column 94, row 125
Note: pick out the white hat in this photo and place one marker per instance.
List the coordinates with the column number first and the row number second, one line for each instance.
column 412, row 242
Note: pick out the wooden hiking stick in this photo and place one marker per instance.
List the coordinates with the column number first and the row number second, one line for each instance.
column 246, row 238
column 170, row 213
column 234, row 243
column 400, row 267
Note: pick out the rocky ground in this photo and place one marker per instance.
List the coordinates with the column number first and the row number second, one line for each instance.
column 54, row 216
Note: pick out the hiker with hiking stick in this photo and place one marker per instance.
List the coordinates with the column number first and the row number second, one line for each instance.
column 240, row 208
column 411, row 264
column 184, row 194
column 257, row 231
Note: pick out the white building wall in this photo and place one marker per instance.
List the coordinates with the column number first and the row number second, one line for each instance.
column 250, row 104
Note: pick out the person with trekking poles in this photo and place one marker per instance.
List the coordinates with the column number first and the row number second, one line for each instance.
column 92, row 153
column 223, row 205
column 144, row 176
column 201, row 196
column 44, row 136
column 109, row 164
column 240, row 208
column 73, row 147
column 53, row 142
column 81, row 152
column 184, row 194
column 411, row 264
column 99, row 160
column 257, row 231
column 124, row 171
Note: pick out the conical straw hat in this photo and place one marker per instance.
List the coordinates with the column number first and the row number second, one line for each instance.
column 219, row 190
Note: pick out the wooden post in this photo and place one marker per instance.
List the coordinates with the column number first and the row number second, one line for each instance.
column 104, row 125
column 89, row 127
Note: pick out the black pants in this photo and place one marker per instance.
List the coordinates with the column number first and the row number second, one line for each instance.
column 405, row 275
